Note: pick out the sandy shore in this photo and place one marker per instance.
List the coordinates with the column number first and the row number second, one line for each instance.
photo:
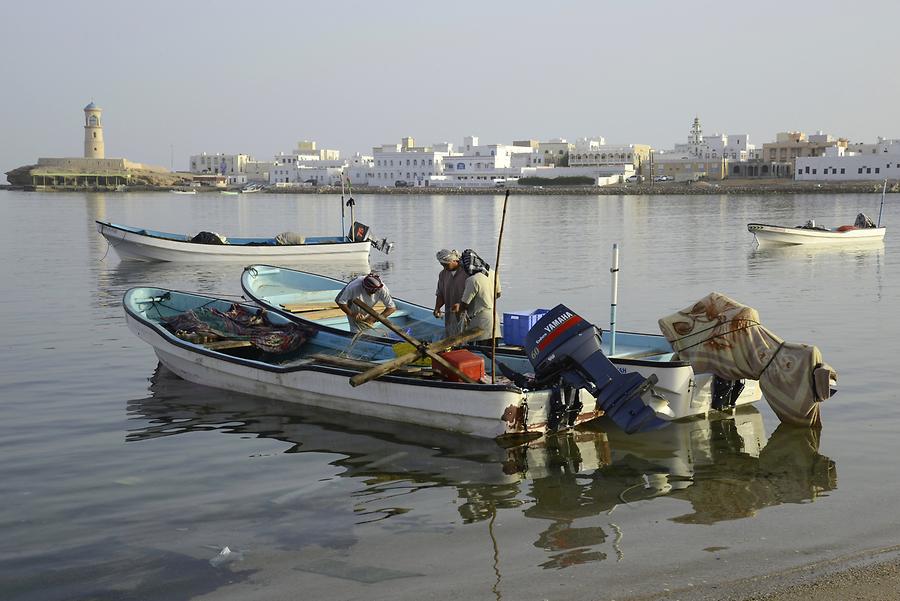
column 868, row 576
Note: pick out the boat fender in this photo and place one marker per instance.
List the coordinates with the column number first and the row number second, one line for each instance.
column 846, row 228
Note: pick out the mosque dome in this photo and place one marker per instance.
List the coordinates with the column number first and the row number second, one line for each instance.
column 91, row 107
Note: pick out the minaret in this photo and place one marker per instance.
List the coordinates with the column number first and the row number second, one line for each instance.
column 695, row 139
column 93, row 132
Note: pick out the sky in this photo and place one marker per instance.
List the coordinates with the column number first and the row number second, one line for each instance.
column 181, row 78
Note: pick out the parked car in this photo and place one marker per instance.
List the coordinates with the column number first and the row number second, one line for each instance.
column 661, row 178
column 634, row 179
column 401, row 184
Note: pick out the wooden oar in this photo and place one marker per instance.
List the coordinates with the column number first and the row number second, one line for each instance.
column 430, row 350
column 421, row 349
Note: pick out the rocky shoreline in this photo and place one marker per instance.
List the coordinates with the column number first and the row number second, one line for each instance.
column 723, row 187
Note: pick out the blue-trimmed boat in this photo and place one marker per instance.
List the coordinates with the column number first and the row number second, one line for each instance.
column 141, row 244
column 308, row 298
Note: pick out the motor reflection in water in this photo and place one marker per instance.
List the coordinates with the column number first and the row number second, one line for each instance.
column 723, row 466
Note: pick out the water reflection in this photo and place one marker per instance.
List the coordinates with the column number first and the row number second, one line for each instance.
column 725, row 468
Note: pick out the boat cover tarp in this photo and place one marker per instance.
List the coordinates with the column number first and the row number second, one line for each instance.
column 721, row 336
column 289, row 238
column 208, row 324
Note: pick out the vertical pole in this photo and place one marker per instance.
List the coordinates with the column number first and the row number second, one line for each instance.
column 614, row 299
column 343, row 227
column 496, row 277
column 881, row 210
column 352, row 204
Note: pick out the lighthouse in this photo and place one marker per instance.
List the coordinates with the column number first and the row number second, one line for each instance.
column 93, row 132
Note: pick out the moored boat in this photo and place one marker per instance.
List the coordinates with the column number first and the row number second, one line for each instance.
column 240, row 348
column 150, row 245
column 811, row 234
column 308, row 298
column 863, row 230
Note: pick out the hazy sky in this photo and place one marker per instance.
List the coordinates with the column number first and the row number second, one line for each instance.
column 180, row 78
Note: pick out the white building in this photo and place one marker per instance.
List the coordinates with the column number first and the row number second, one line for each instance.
column 736, row 147
column 485, row 163
column 880, row 160
column 360, row 170
column 555, row 150
column 307, row 164
column 225, row 164
column 407, row 163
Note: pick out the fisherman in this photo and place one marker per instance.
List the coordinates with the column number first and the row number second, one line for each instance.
column 476, row 307
column 450, row 285
column 370, row 290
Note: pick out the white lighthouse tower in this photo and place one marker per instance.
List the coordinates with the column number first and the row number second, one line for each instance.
column 93, row 132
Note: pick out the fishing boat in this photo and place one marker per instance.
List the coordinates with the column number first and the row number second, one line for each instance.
column 141, row 244
column 308, row 298
column 863, row 230
column 184, row 191
column 242, row 348
column 812, row 234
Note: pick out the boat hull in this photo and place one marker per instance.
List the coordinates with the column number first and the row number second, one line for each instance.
column 774, row 235
column 483, row 410
column 133, row 246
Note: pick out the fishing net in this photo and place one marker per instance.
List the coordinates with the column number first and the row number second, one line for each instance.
column 208, row 324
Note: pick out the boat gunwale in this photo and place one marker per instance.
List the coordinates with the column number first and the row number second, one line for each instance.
column 123, row 228
column 175, row 341
column 501, row 351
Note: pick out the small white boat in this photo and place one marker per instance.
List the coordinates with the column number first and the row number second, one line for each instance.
column 308, row 298
column 149, row 245
column 312, row 367
column 184, row 191
column 811, row 234
column 863, row 230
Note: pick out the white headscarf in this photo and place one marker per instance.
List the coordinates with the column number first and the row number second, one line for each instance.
column 444, row 256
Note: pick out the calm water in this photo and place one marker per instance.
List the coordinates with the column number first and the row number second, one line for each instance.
column 120, row 481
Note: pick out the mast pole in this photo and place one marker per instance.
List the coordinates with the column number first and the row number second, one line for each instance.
column 494, row 303
column 881, row 210
column 614, row 299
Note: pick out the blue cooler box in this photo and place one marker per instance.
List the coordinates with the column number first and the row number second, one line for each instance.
column 517, row 324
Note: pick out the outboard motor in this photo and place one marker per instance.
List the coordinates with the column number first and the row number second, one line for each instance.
column 565, row 348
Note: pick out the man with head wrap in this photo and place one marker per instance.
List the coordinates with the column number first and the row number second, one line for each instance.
column 450, row 285
column 370, row 290
column 476, row 307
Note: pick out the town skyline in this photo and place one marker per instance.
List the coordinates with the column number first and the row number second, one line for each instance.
column 176, row 87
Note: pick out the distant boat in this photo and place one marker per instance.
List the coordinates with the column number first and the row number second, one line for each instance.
column 230, row 192
column 811, row 234
column 251, row 189
column 149, row 245
column 184, row 191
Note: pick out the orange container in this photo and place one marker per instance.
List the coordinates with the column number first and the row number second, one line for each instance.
column 465, row 361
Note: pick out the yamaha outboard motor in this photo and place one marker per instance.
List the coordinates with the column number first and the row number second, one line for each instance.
column 564, row 347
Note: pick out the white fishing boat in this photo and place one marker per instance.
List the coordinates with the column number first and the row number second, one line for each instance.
column 863, row 230
column 184, row 191
column 308, row 298
column 141, row 244
column 236, row 347
column 812, row 234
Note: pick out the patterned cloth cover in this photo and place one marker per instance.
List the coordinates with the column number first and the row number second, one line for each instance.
column 719, row 335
